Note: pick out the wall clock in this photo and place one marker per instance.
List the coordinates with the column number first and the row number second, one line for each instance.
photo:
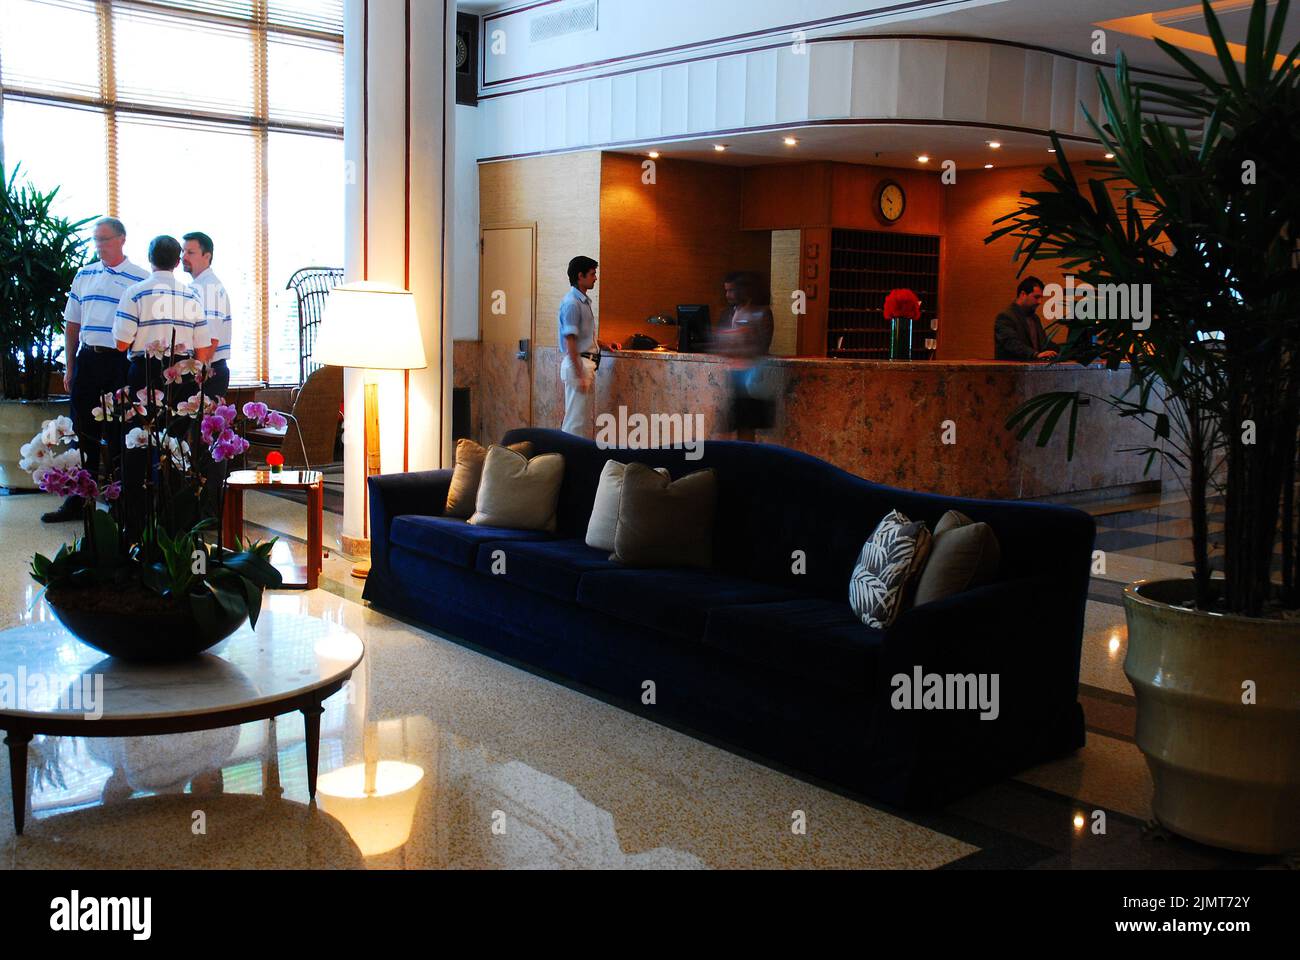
column 891, row 201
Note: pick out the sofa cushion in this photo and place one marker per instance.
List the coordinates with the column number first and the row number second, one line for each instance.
column 673, row 600
column 964, row 554
column 517, row 492
column 451, row 541
column 815, row 639
column 665, row 523
column 551, row 567
column 463, row 492
column 604, row 509
column 884, row 579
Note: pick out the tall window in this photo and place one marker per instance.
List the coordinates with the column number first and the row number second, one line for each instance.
column 224, row 116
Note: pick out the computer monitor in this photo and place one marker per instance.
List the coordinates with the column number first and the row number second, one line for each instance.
column 693, row 329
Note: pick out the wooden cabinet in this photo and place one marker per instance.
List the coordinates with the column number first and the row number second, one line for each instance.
column 865, row 265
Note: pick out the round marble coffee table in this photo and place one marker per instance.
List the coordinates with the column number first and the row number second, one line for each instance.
column 51, row 683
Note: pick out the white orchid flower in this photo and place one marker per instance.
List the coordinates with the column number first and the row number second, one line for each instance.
column 68, row 460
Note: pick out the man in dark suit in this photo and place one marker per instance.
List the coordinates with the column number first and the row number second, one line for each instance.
column 1017, row 332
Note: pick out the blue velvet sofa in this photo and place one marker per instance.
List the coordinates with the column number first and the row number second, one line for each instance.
column 750, row 652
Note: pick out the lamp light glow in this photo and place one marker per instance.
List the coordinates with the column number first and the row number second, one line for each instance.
column 378, row 815
column 370, row 325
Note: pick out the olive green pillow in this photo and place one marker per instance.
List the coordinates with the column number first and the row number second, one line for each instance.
column 964, row 554
column 516, row 492
column 465, row 478
column 663, row 522
column 604, row 509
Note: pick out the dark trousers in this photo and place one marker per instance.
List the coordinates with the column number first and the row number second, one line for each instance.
column 218, row 384
column 94, row 374
column 143, row 370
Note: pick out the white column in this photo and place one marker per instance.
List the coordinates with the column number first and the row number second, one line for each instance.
column 399, row 145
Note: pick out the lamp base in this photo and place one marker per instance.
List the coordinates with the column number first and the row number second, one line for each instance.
column 358, row 547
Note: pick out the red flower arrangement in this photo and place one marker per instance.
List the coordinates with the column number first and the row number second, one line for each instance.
column 902, row 303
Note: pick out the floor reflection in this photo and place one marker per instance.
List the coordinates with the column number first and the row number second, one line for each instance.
column 436, row 800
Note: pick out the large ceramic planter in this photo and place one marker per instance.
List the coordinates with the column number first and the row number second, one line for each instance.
column 20, row 420
column 141, row 637
column 1226, row 773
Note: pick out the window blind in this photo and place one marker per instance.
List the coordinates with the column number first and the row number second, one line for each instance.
column 178, row 116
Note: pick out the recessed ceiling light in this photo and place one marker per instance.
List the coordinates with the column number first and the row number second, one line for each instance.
column 719, row 147
column 988, row 166
column 1110, row 156
column 923, row 158
column 654, row 154
column 790, row 141
column 1051, row 149
column 994, row 144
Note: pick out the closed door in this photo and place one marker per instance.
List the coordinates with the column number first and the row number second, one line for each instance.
column 506, row 295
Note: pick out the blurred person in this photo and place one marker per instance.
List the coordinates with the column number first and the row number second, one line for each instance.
column 745, row 326
column 746, row 339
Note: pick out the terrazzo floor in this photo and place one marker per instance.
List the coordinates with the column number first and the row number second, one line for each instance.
column 518, row 771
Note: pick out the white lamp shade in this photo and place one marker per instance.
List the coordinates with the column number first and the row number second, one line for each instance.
column 370, row 325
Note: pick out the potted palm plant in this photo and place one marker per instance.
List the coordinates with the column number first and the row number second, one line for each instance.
column 40, row 253
column 1206, row 218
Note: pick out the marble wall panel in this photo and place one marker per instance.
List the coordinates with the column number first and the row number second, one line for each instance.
column 882, row 421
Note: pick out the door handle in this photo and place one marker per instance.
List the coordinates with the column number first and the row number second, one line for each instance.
column 523, row 350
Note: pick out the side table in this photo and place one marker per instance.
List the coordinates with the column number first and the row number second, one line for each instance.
column 296, row 576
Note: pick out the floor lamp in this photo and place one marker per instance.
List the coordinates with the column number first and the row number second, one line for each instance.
column 373, row 326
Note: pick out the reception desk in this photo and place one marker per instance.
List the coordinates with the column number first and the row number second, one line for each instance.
column 932, row 426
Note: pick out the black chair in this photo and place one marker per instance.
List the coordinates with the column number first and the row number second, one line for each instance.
column 311, row 285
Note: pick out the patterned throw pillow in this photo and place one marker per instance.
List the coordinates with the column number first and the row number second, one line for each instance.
column 887, row 570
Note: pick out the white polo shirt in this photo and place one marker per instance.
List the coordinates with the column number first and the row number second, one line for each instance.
column 93, row 299
column 156, row 308
column 216, row 310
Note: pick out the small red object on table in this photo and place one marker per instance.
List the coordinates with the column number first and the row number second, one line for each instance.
column 275, row 460
column 296, row 576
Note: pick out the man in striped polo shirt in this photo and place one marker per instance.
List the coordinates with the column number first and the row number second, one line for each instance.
column 197, row 260
column 160, row 311
column 159, row 322
column 94, row 364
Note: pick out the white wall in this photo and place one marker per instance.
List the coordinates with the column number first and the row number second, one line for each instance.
column 396, row 202
column 939, row 80
column 632, row 27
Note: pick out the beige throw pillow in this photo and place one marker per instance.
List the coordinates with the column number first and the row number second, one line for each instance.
column 965, row 554
column 665, row 523
column 463, row 493
column 604, row 509
column 516, row 492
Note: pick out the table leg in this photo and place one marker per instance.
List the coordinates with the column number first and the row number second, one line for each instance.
column 233, row 517
column 311, row 722
column 17, row 742
column 315, row 521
